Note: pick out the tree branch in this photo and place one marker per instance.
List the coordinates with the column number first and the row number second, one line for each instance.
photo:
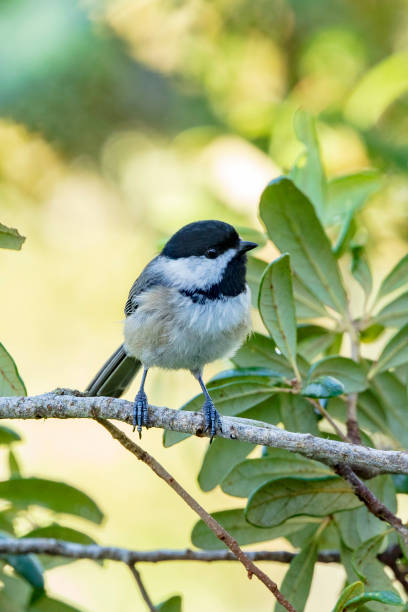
column 211, row 523
column 51, row 405
column 94, row 552
column 374, row 505
column 142, row 588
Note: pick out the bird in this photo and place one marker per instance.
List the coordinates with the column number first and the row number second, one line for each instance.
column 189, row 306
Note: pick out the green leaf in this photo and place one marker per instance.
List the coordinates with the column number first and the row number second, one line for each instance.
column 277, row 308
column 259, row 351
column 248, row 475
column 348, row 193
column 294, row 227
column 298, row 414
column 393, row 398
column 352, row 590
column 230, row 399
column 255, row 269
column 256, row 375
column 309, row 175
column 275, row 502
column 8, row 436
column 379, row 87
column 394, row 314
column 173, row 604
column 15, row 594
column 298, row 579
column 359, row 525
column 347, row 231
column 400, row 482
column 367, row 551
column 323, row 387
column 245, row 533
column 220, row 458
column 385, row 597
column 27, row 566
column 347, row 371
column 14, row 467
column 59, row 532
column 394, row 353
column 49, row 604
column 10, row 238
column 56, row 496
column 314, row 340
column 396, row 278
column 10, row 381
column 371, row 333
column 361, row 270
column 308, row 306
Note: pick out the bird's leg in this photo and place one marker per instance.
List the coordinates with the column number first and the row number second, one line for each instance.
column 141, row 407
column 212, row 419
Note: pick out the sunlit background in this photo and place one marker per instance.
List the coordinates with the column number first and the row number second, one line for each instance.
column 120, row 121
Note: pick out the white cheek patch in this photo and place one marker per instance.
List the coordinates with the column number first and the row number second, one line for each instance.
column 194, row 272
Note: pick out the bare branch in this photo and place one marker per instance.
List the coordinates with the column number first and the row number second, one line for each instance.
column 72, row 550
column 215, row 526
column 331, row 452
column 374, row 505
column 142, row 588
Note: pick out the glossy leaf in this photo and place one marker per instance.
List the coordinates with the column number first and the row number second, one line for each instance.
column 293, row 226
column 10, row 238
column 394, row 353
column 10, row 380
column 248, row 475
column 230, row 399
column 277, row 308
column 56, row 496
column 395, row 279
column 298, row 579
column 245, row 533
column 323, row 387
column 394, row 314
column 173, row 604
column 347, row 371
column 274, row 503
column 259, row 351
column 298, row 414
column 352, row 590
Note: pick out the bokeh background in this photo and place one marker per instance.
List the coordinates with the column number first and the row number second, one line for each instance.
column 120, row 121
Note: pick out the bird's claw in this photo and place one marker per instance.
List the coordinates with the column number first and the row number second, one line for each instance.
column 212, row 419
column 140, row 412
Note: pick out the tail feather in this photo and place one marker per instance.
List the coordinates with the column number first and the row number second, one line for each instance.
column 115, row 375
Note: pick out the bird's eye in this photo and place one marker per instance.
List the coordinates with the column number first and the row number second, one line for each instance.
column 211, row 253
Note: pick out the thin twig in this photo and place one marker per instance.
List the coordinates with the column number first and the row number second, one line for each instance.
column 327, row 416
column 142, row 588
column 390, row 557
column 374, row 505
column 215, row 527
column 331, row 452
column 72, row 550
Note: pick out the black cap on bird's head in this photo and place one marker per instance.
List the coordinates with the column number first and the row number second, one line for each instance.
column 205, row 238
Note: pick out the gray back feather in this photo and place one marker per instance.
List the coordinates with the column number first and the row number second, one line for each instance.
column 150, row 277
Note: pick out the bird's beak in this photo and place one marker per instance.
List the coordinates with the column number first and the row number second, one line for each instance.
column 245, row 246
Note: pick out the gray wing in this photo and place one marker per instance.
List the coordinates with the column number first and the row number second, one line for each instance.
column 150, row 277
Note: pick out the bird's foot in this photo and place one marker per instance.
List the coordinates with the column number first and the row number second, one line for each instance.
column 212, row 419
column 140, row 412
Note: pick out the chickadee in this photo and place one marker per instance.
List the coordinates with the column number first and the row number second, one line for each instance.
column 189, row 307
